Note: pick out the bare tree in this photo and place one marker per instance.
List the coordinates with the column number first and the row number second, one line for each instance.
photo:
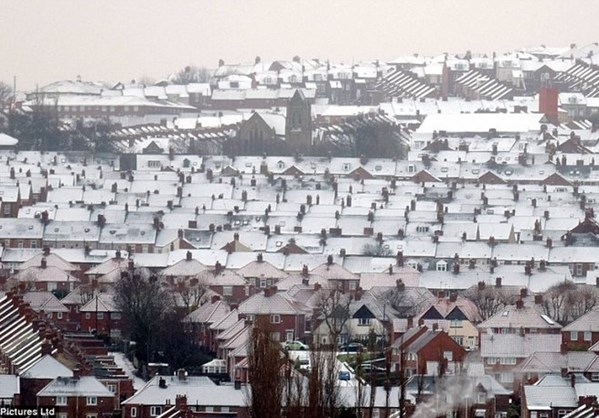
column 489, row 299
column 406, row 302
column 5, row 94
column 323, row 389
column 376, row 250
column 146, row 305
column 566, row 302
column 191, row 74
column 264, row 364
column 334, row 307
column 191, row 292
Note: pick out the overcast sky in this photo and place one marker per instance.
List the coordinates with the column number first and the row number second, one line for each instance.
column 119, row 40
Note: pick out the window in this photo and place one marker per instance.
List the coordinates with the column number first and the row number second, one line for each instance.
column 7, row 209
column 458, row 339
column 154, row 164
column 275, row 336
column 91, row 415
column 88, row 315
column 456, row 323
column 481, row 397
column 346, row 166
column 442, row 266
column 59, row 315
column 111, row 387
column 209, row 409
column 61, row 400
column 91, row 400
column 275, row 319
column 100, row 315
column 353, row 285
column 115, row 315
column 33, row 244
column 364, row 322
column 62, row 415
column 20, row 244
column 227, row 290
column 225, row 409
column 587, row 335
column 262, row 283
column 579, row 269
column 448, row 355
column 573, row 335
column 422, row 228
column 155, row 410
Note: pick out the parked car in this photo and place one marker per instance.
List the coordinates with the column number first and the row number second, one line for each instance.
column 295, row 345
column 368, row 368
column 344, row 375
column 351, row 347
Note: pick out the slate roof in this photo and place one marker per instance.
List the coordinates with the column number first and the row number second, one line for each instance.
column 70, row 386
column 46, row 367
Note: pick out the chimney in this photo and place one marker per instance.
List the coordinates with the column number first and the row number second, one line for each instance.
column 117, row 254
column 44, row 263
column 192, row 224
column 519, row 304
column 131, row 264
column 453, row 296
column 181, row 401
column 305, row 272
column 329, row 260
column 498, row 282
column 523, row 292
column 77, row 372
column 317, row 287
column 441, row 294
column 563, row 370
column 235, row 236
column 270, row 290
column 237, row 384
column 306, row 281
column 435, row 326
column 456, row 268
column 390, row 268
column 162, row 383
column 481, row 285
column 548, row 103
column 188, row 256
column 358, row 294
column 573, row 380
column 182, row 375
column 539, row 299
column 180, row 233
column 46, row 251
column 260, row 258
column 46, row 348
column 218, row 268
column 410, row 322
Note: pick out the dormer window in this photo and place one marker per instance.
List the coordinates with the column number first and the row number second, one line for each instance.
column 442, row 265
column 346, row 166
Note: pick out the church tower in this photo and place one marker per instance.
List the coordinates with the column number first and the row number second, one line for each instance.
column 298, row 123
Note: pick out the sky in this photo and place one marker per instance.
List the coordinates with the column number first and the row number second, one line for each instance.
column 119, row 40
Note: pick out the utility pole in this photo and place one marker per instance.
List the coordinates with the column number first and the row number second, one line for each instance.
column 96, row 314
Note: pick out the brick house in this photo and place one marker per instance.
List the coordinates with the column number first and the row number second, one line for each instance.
column 40, row 374
column 77, row 396
column 204, row 397
column 428, row 351
column 101, row 314
column 514, row 333
column 285, row 315
column 582, row 333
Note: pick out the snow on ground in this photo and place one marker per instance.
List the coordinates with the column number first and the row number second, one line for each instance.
column 125, row 364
